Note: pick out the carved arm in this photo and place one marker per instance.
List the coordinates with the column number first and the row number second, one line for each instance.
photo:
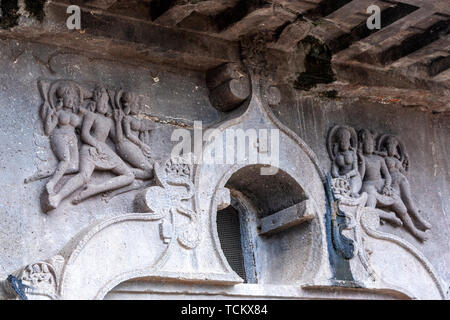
column 86, row 137
column 118, row 136
column 354, row 170
column 362, row 166
column 131, row 136
column 386, row 174
column 51, row 122
column 334, row 170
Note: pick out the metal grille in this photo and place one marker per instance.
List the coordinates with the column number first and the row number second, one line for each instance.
column 228, row 228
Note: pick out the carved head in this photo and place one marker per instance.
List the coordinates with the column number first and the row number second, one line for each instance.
column 67, row 96
column 392, row 145
column 101, row 99
column 368, row 141
column 343, row 135
column 129, row 101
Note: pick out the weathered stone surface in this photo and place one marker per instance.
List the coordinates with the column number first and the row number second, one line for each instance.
column 287, row 218
column 140, row 70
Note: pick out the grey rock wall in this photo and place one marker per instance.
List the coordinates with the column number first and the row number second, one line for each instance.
column 426, row 138
column 175, row 98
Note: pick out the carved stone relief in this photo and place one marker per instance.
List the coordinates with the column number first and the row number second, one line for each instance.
column 36, row 281
column 381, row 260
column 173, row 195
column 360, row 165
column 92, row 130
column 173, row 236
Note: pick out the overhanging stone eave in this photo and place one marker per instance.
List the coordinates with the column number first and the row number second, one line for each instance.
column 115, row 36
column 416, row 99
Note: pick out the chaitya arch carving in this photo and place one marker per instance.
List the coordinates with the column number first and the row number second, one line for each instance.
column 173, row 235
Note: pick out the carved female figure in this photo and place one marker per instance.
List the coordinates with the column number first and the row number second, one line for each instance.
column 128, row 144
column 95, row 154
column 377, row 183
column 396, row 161
column 60, row 123
column 342, row 143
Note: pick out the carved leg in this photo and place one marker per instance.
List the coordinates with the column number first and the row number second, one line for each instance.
column 390, row 217
column 407, row 222
column 74, row 183
column 405, row 192
column 125, row 178
column 65, row 148
column 59, row 173
column 355, row 185
column 136, row 185
column 143, row 174
column 371, row 198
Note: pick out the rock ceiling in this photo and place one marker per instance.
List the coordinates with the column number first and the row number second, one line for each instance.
column 306, row 43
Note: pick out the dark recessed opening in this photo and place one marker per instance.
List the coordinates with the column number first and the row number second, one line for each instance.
column 253, row 197
column 229, row 231
column 267, row 193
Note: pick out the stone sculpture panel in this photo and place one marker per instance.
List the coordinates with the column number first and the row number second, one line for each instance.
column 92, row 130
column 361, row 163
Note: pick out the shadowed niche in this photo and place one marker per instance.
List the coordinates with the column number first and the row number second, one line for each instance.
column 255, row 198
column 268, row 194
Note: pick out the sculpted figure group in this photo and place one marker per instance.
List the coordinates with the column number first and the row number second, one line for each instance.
column 93, row 131
column 359, row 164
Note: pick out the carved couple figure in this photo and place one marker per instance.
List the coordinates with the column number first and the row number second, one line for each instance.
column 77, row 109
column 381, row 174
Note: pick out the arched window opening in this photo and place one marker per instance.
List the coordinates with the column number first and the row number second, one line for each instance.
column 264, row 228
column 228, row 228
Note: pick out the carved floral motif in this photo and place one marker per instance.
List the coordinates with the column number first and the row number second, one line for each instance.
column 173, row 195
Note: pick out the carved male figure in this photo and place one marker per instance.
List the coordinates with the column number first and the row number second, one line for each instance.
column 95, row 154
column 377, row 183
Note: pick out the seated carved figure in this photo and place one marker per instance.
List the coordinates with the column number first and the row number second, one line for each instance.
column 397, row 163
column 95, row 154
column 342, row 143
column 377, row 183
column 128, row 144
column 60, row 123
column 61, row 113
